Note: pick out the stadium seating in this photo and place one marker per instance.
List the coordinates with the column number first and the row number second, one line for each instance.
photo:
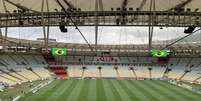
column 194, row 70
column 158, row 71
column 7, row 81
column 75, row 70
column 108, row 71
column 22, row 68
column 124, row 71
column 91, row 71
column 178, row 67
column 18, row 68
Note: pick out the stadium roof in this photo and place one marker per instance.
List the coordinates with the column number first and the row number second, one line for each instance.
column 164, row 13
column 105, row 5
column 28, row 13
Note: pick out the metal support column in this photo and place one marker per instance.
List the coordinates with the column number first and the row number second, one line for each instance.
column 43, row 22
column 96, row 25
column 1, row 36
column 6, row 28
column 151, row 23
column 48, row 27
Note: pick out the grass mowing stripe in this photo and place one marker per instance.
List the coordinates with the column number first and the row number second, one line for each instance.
column 58, row 92
column 92, row 91
column 115, row 94
column 39, row 94
column 31, row 96
column 137, row 91
column 185, row 91
column 130, row 94
column 108, row 91
column 164, row 92
column 100, row 91
column 146, row 91
column 48, row 93
column 171, row 95
column 179, row 91
column 123, row 94
column 75, row 93
column 84, row 91
column 153, row 91
column 67, row 91
column 111, row 90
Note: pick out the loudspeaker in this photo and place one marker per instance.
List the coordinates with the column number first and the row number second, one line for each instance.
column 63, row 29
column 21, row 23
column 190, row 29
column 169, row 69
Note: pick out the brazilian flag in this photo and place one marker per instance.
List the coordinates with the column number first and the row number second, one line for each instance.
column 59, row 51
column 159, row 53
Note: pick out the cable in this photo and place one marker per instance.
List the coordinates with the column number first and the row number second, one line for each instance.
column 181, row 38
column 76, row 27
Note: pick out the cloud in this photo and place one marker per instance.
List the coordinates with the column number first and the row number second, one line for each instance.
column 107, row 35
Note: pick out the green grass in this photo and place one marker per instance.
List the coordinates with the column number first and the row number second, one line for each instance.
column 111, row 90
column 14, row 92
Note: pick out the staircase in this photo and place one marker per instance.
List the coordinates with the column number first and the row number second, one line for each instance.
column 59, row 71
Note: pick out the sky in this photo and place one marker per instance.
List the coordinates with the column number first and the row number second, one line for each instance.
column 107, row 35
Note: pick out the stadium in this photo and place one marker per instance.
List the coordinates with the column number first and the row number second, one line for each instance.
column 100, row 50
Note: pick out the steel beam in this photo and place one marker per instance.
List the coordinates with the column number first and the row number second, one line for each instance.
column 180, row 5
column 96, row 24
column 6, row 28
column 151, row 23
column 124, row 4
column 30, row 19
column 1, row 35
column 67, row 14
column 48, row 27
column 71, row 6
column 141, row 5
column 23, row 8
column 43, row 24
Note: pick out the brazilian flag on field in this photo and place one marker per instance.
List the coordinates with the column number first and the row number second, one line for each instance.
column 159, row 53
column 59, row 51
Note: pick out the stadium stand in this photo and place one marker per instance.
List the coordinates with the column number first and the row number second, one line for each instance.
column 100, row 50
column 132, row 67
column 19, row 68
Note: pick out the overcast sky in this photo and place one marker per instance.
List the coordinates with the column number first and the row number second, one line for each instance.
column 107, row 35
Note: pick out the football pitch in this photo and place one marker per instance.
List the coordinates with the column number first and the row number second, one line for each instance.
column 112, row 90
